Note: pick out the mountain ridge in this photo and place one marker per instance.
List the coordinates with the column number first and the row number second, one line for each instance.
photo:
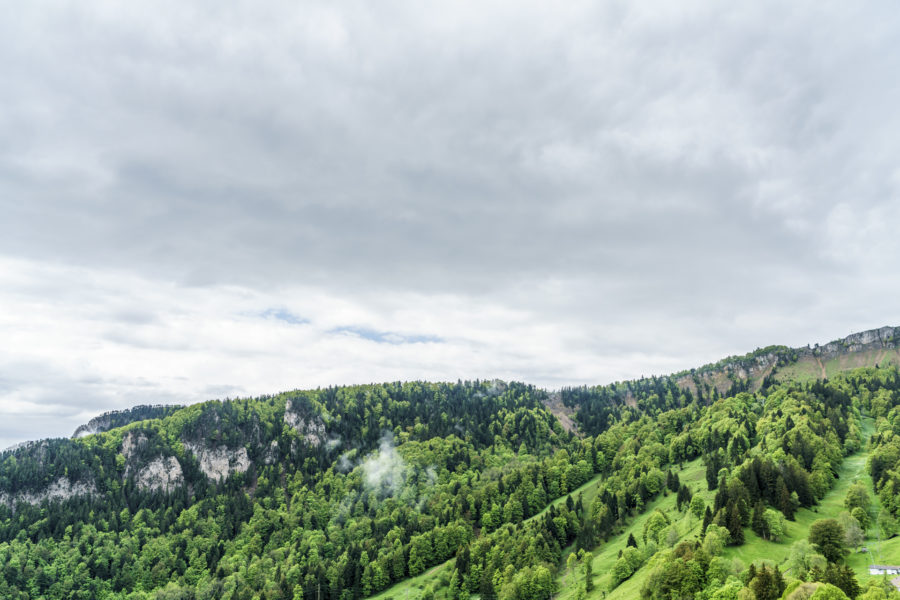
column 119, row 418
column 755, row 366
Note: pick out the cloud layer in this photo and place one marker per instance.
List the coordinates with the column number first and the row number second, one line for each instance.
column 200, row 201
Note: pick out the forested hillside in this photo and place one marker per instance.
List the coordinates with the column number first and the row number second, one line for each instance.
column 120, row 418
column 474, row 488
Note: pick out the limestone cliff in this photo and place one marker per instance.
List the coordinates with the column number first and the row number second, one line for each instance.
column 61, row 489
column 157, row 473
column 866, row 348
column 218, row 462
column 310, row 426
column 873, row 339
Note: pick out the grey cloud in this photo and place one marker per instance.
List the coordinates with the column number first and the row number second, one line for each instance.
column 135, row 317
column 431, row 161
column 38, row 401
column 698, row 178
column 126, row 337
column 222, row 391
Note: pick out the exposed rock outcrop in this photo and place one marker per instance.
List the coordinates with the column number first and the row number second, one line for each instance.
column 873, row 339
column 219, row 462
column 131, row 443
column 271, row 456
column 61, row 489
column 161, row 473
column 756, row 366
column 310, row 427
column 563, row 413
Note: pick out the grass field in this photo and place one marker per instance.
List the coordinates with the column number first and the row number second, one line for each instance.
column 412, row 588
column 805, row 370
column 808, row 369
column 694, row 476
column 755, row 548
column 831, row 505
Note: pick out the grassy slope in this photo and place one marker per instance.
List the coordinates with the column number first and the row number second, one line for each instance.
column 804, row 370
column 754, row 548
column 808, row 369
column 862, row 359
column 694, row 476
column 413, row 587
column 852, row 469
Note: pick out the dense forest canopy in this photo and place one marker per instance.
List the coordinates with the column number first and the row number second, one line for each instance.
column 341, row 492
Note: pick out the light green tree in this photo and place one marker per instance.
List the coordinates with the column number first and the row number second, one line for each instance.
column 829, row 592
column 698, row 506
column 776, row 523
column 862, row 517
column 803, row 558
column 716, row 539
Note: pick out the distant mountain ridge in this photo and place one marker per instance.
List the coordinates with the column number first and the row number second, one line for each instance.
column 120, row 418
column 865, row 348
column 872, row 347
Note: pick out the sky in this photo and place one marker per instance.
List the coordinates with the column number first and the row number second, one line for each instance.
column 205, row 200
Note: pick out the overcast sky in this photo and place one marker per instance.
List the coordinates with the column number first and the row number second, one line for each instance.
column 207, row 199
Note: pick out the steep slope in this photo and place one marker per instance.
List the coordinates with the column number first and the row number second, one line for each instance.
column 749, row 372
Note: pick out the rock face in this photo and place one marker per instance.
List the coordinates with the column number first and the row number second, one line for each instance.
column 218, row 462
column 754, row 366
column 131, row 443
column 757, row 365
column 563, row 413
column 271, row 455
column 873, row 339
column 310, row 427
column 162, row 473
column 61, row 489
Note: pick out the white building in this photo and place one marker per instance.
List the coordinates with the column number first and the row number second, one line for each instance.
column 884, row 570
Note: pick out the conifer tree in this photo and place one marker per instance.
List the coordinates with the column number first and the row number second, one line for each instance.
column 758, row 521
column 734, row 526
column 707, row 519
